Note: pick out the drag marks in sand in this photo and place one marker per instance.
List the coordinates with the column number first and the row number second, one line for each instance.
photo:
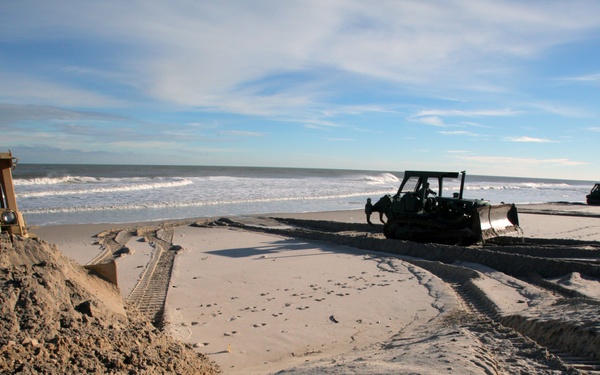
column 276, row 298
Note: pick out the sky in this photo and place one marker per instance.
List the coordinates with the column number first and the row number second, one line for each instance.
column 506, row 88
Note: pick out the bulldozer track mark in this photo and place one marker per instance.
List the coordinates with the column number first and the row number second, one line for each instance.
column 111, row 242
column 150, row 292
column 569, row 348
column 562, row 339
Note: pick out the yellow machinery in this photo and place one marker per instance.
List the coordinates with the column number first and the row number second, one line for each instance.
column 11, row 220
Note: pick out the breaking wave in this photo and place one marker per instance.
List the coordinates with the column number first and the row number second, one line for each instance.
column 174, row 204
column 115, row 189
column 55, row 180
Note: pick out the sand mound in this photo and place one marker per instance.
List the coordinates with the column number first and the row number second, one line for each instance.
column 56, row 318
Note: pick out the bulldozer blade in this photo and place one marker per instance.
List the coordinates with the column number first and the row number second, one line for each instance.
column 107, row 271
column 497, row 220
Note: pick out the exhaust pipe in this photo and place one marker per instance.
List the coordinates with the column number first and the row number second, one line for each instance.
column 462, row 184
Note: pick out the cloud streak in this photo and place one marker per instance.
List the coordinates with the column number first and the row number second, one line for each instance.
column 528, row 140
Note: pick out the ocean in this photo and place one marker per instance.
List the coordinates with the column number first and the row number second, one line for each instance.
column 85, row 194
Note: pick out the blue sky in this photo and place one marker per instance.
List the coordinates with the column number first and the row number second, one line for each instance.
column 494, row 87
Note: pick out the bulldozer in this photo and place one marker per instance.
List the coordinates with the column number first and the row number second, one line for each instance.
column 593, row 198
column 11, row 219
column 419, row 212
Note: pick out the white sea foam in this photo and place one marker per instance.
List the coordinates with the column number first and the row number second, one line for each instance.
column 161, row 205
column 54, row 180
column 516, row 186
column 384, row 178
column 96, row 190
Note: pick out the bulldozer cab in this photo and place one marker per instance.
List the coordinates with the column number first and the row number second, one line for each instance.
column 420, row 190
column 418, row 181
column 11, row 220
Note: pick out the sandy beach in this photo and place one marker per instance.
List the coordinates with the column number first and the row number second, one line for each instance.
column 325, row 293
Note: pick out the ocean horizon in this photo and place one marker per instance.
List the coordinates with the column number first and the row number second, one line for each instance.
column 52, row 194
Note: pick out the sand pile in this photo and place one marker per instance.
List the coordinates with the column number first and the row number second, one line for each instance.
column 56, row 318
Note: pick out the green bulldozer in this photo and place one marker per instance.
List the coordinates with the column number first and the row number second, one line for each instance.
column 420, row 212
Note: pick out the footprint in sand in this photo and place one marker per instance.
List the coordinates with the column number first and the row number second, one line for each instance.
column 229, row 333
column 258, row 325
column 303, row 307
column 320, row 299
column 276, row 314
column 287, row 304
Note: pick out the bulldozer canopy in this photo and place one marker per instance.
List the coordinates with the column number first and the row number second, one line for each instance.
column 414, row 180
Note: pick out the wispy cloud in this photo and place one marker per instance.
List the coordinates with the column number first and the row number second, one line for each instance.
column 436, row 117
column 25, row 89
column 591, row 78
column 507, row 160
column 428, row 120
column 467, row 113
column 458, row 132
column 528, row 140
column 340, row 139
column 318, row 124
column 242, row 133
column 23, row 113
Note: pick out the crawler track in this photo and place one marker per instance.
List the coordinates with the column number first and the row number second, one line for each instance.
column 150, row 292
